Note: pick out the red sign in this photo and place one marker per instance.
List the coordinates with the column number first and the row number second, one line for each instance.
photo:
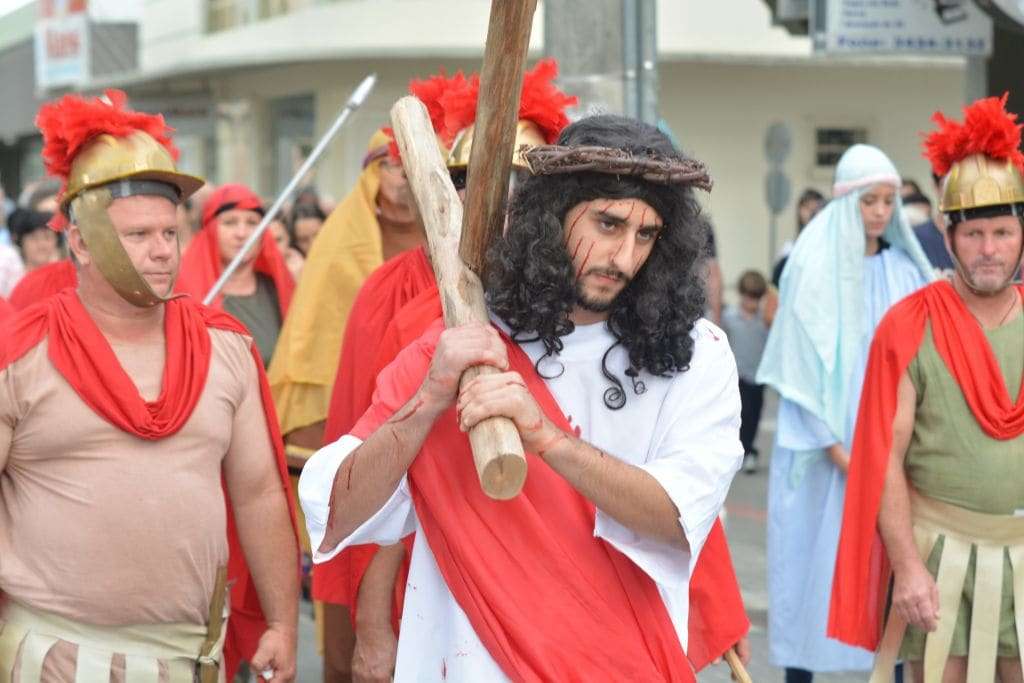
column 51, row 9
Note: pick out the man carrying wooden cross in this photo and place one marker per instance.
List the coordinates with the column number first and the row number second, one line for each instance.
column 626, row 403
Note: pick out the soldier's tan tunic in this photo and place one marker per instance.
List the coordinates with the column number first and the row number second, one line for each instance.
column 105, row 528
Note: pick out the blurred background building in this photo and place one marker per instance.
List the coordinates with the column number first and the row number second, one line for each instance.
column 251, row 84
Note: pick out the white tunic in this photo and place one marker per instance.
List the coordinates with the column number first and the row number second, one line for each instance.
column 683, row 430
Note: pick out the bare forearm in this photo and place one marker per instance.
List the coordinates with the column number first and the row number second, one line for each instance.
column 371, row 473
column 310, row 436
column 627, row 493
column 272, row 553
column 894, row 523
column 894, row 518
column 377, row 589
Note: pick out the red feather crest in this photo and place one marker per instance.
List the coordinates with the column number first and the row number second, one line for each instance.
column 431, row 91
column 987, row 129
column 69, row 123
column 540, row 102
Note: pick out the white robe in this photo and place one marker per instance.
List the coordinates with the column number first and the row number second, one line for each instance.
column 683, row 430
column 806, row 493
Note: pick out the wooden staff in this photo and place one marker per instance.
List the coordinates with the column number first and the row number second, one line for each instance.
column 497, row 449
column 739, row 672
column 458, row 244
column 494, row 131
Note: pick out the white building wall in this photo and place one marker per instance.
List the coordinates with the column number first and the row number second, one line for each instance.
column 725, row 73
column 174, row 37
column 720, row 113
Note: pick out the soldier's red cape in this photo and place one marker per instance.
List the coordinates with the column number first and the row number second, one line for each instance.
column 862, row 568
column 82, row 355
column 43, row 282
column 201, row 264
column 717, row 617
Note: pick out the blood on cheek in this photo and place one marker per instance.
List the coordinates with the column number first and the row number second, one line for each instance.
column 572, row 226
column 577, row 249
column 583, row 266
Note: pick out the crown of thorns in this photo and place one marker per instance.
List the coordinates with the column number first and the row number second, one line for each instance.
column 552, row 159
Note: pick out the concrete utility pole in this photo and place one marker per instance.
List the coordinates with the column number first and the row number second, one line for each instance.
column 607, row 53
column 1004, row 67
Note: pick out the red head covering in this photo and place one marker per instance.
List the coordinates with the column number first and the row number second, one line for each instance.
column 201, row 264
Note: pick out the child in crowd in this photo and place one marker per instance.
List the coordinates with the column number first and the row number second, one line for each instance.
column 747, row 325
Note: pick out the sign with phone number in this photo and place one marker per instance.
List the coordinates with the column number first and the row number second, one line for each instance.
column 937, row 27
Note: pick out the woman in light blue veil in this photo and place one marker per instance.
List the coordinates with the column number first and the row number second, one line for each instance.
column 853, row 261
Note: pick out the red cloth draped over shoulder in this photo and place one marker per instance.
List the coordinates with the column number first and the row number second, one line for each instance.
column 43, row 282
column 365, row 350
column 590, row 615
column 717, row 616
column 6, row 311
column 82, row 355
column 862, row 568
column 201, row 264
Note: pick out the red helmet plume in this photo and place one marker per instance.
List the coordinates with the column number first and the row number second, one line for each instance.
column 431, row 91
column 72, row 121
column 540, row 102
column 987, row 129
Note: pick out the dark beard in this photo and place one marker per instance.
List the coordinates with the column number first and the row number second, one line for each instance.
column 595, row 305
column 592, row 305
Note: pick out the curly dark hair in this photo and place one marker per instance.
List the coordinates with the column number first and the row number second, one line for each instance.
column 531, row 282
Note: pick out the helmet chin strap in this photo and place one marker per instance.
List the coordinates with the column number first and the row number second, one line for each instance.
column 962, row 272
column 90, row 215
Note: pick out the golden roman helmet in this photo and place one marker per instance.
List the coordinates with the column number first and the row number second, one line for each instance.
column 978, row 181
column 105, row 151
column 527, row 134
column 138, row 156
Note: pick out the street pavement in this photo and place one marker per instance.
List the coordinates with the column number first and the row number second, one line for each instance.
column 745, row 526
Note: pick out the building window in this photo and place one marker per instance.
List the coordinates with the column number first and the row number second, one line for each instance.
column 830, row 143
column 227, row 14
column 292, row 122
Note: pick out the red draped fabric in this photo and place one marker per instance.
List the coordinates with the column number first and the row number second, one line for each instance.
column 717, row 616
column 82, row 355
column 862, row 568
column 43, row 282
column 365, row 350
column 6, row 311
column 591, row 614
